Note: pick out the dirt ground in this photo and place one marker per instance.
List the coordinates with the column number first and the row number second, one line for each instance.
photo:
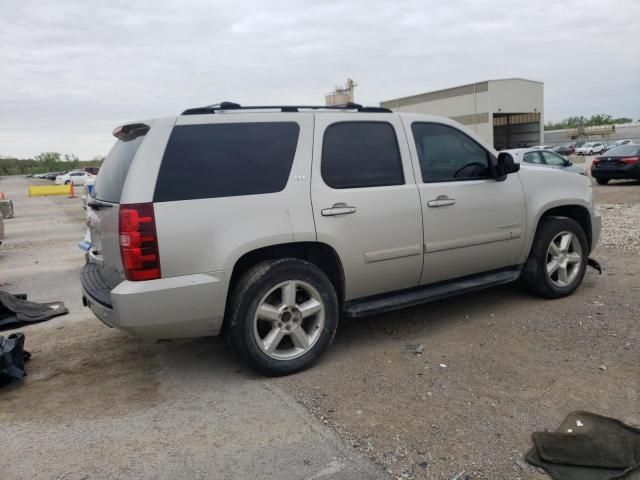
column 497, row 365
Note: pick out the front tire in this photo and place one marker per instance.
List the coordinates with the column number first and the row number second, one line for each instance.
column 558, row 259
column 66, row 182
column 602, row 181
column 282, row 316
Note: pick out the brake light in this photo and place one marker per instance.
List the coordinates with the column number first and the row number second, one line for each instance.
column 139, row 242
column 631, row 160
column 595, row 161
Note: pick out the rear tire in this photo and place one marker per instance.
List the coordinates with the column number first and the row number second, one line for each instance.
column 66, row 182
column 282, row 316
column 602, row 181
column 558, row 258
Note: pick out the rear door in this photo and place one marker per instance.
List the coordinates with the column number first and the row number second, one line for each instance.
column 472, row 223
column 365, row 201
column 103, row 208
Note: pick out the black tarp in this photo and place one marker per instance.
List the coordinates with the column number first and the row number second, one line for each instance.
column 16, row 311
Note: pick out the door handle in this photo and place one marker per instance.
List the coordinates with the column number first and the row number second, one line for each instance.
column 338, row 209
column 441, row 201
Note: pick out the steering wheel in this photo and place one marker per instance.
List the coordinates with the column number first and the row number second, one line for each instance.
column 481, row 165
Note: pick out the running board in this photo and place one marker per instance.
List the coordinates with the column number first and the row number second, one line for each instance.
column 415, row 296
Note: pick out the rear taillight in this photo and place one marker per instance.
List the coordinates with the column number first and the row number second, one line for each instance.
column 139, row 242
column 631, row 160
column 595, row 161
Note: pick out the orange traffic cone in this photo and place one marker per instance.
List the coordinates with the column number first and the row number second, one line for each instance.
column 72, row 193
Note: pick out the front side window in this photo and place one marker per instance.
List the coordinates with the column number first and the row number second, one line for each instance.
column 447, row 154
column 226, row 160
column 553, row 159
column 532, row 157
column 361, row 154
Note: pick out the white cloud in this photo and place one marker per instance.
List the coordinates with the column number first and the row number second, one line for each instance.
column 71, row 70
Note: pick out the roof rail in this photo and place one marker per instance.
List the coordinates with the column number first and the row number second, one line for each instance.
column 209, row 109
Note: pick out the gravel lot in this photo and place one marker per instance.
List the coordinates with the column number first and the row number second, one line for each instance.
column 497, row 365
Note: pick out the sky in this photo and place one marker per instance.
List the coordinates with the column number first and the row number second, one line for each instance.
column 72, row 70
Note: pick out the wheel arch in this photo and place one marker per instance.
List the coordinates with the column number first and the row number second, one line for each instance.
column 579, row 213
column 320, row 254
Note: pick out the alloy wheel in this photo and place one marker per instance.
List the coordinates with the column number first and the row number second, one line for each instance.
column 289, row 320
column 564, row 259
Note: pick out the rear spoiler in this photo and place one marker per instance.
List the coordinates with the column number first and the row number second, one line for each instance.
column 131, row 131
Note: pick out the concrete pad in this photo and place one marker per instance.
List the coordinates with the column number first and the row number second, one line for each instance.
column 99, row 404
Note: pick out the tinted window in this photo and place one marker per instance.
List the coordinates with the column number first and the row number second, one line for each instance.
column 114, row 170
column 446, row 153
column 532, row 157
column 226, row 160
column 361, row 154
column 552, row 159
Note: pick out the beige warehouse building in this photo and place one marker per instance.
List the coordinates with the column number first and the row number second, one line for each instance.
column 507, row 113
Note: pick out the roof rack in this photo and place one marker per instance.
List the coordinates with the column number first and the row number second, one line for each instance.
column 283, row 108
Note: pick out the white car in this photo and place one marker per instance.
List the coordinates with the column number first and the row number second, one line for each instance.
column 77, row 176
column 537, row 157
column 591, row 148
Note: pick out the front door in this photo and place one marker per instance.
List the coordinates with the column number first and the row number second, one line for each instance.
column 366, row 203
column 472, row 223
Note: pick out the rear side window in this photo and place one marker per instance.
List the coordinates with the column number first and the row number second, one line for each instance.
column 361, row 154
column 226, row 160
column 114, row 170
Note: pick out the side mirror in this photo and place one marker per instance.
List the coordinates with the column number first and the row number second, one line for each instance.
column 567, row 163
column 505, row 166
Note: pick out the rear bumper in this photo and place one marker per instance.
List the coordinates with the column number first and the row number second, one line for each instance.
column 177, row 307
column 631, row 171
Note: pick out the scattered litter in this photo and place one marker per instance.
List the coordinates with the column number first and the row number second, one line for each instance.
column 570, row 430
column 602, row 367
column 12, row 357
column 411, row 348
column 442, row 365
column 16, row 311
column 579, row 423
column 458, row 475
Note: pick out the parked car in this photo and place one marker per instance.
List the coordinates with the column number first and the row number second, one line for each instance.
column 542, row 147
column 210, row 223
column 77, row 176
column 563, row 150
column 51, row 175
column 620, row 162
column 590, row 148
column 544, row 158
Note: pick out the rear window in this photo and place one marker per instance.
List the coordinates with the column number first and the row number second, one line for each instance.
column 624, row 150
column 114, row 170
column 226, row 160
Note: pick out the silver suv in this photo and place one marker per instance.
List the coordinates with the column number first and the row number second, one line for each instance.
column 269, row 223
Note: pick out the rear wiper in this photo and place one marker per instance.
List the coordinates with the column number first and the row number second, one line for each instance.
column 96, row 205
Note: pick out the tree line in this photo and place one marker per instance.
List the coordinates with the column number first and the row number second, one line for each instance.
column 45, row 162
column 594, row 120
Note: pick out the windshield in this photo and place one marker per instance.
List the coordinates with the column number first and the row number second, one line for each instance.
column 624, row 150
